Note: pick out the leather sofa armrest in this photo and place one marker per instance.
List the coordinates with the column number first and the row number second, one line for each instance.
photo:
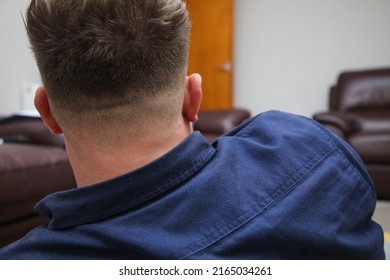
column 218, row 122
column 341, row 124
column 29, row 130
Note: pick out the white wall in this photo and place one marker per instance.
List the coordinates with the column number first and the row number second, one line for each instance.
column 289, row 52
column 17, row 66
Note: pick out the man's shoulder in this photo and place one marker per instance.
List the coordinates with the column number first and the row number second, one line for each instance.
column 286, row 130
column 284, row 143
column 284, row 123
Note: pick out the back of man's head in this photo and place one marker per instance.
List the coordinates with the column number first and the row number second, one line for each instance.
column 97, row 57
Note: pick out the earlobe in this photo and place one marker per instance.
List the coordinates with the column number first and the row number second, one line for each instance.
column 192, row 97
column 41, row 102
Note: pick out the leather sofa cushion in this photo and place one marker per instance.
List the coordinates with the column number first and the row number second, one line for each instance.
column 18, row 228
column 216, row 123
column 27, row 174
column 372, row 148
column 372, row 121
column 28, row 130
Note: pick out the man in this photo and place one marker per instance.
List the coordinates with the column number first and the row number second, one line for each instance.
column 114, row 74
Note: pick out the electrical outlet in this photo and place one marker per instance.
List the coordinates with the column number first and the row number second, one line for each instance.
column 27, row 94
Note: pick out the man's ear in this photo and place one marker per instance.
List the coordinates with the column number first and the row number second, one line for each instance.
column 42, row 104
column 192, row 97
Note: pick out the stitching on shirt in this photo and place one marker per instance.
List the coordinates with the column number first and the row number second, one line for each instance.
column 347, row 161
column 269, row 202
column 221, row 231
column 362, row 180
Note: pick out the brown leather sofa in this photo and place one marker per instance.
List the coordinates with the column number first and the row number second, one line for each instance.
column 213, row 124
column 359, row 111
column 33, row 164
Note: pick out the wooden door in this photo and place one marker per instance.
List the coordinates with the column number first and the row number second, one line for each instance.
column 211, row 50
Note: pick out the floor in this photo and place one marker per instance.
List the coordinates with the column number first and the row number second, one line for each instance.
column 382, row 217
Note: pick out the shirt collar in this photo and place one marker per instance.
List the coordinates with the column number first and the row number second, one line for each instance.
column 124, row 193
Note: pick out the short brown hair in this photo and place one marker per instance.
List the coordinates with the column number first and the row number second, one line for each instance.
column 98, row 54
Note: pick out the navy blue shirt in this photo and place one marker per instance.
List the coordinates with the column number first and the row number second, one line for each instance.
column 277, row 187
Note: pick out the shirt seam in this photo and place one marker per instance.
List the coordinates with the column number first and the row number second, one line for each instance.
column 224, row 230
column 346, row 160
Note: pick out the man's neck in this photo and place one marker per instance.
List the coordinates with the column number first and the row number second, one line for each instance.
column 94, row 162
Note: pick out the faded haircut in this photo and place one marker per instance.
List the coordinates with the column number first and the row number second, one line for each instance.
column 99, row 54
